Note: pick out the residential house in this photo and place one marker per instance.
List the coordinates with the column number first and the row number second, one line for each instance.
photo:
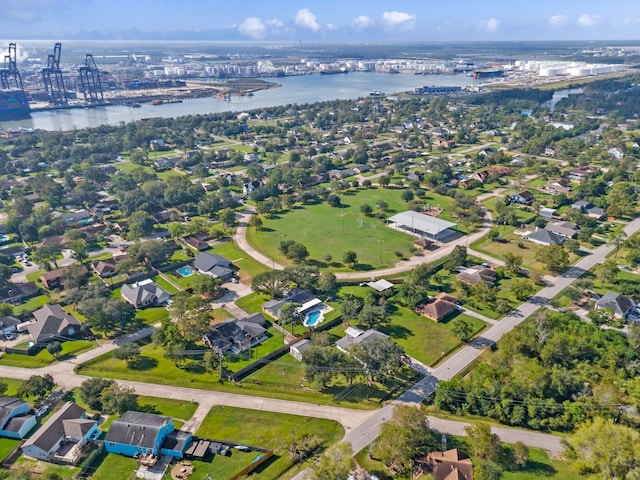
column 544, row 237
column 619, row 304
column 297, row 349
column 8, row 324
column 144, row 293
column 63, row 437
column 563, row 229
column 363, row 168
column 476, row 274
column 15, row 420
column 196, row 242
column 164, row 216
column 439, row 307
column 524, row 197
column 215, row 265
column 138, row 434
column 547, row 212
column 55, row 278
column 549, row 151
column 580, row 174
column 616, row 153
column 104, row 268
column 354, row 336
column 558, row 186
column 597, row 213
column 53, row 323
column 443, row 143
column 236, row 335
column 295, row 295
column 581, row 205
column 448, row 465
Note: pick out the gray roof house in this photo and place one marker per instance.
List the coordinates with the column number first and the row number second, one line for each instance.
column 52, row 322
column 544, row 237
column 144, row 293
column 62, row 437
column 15, row 420
column 621, row 305
column 356, row 336
column 236, row 335
column 295, row 295
column 214, row 265
column 8, row 324
column 563, row 229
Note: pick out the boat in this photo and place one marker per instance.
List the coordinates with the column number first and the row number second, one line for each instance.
column 334, row 71
column 14, row 104
column 488, row 73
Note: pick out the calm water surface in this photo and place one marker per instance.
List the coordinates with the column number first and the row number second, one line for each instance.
column 301, row 89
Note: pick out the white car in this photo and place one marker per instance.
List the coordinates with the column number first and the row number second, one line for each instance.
column 42, row 411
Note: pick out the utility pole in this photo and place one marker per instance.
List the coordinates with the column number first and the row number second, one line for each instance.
column 220, row 363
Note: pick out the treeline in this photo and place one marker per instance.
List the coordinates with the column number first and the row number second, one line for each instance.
column 552, row 372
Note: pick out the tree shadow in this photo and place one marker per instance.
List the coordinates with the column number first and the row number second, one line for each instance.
column 397, row 331
column 142, row 363
column 266, row 229
column 193, row 366
column 363, row 267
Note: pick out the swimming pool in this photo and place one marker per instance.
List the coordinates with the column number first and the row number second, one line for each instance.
column 185, row 271
column 311, row 319
column 4, row 238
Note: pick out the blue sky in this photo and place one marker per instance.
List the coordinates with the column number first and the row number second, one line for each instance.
column 321, row 20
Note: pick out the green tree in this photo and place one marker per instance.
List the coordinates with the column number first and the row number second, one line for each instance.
column 271, row 282
column 191, row 315
column 520, row 454
column 91, row 391
column 80, row 249
column 366, row 209
column 38, row 386
column 462, row 328
column 336, row 464
column 140, row 225
column 255, row 222
column 487, row 471
column 522, row 288
column 118, row 400
column 326, row 282
column 403, row 437
column 513, row 263
column 458, row 257
column 607, row 271
column 373, row 316
column 351, row 307
column 54, row 348
column 554, row 257
column 289, row 314
column 410, row 295
column 47, row 253
column 129, row 352
column 205, row 285
column 297, row 252
column 482, row 441
column 572, row 246
column 591, row 450
column 616, row 238
column 350, row 258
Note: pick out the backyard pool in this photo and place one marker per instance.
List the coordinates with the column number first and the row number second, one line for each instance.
column 4, row 238
column 185, row 271
column 311, row 319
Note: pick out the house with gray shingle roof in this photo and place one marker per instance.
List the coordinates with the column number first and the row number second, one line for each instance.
column 62, row 438
column 144, row 293
column 544, row 237
column 619, row 304
column 15, row 420
column 52, row 323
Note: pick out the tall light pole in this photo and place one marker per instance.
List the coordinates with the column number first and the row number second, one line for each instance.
column 380, row 242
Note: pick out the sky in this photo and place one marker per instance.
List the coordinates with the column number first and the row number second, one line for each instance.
column 321, row 20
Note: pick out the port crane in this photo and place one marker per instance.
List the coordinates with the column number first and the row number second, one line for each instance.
column 90, row 80
column 9, row 74
column 53, row 80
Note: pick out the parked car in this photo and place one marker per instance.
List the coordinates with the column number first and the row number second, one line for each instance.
column 10, row 336
column 42, row 411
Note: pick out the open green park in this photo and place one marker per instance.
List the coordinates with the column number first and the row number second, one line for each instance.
column 327, row 230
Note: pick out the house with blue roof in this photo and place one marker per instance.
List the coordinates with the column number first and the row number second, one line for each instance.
column 138, row 434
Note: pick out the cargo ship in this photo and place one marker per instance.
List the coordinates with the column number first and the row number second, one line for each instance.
column 14, row 104
column 334, row 71
column 488, row 73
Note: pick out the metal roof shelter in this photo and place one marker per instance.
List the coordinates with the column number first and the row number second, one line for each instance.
column 422, row 224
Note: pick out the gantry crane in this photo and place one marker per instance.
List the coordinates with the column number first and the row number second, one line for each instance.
column 9, row 74
column 90, row 80
column 53, row 80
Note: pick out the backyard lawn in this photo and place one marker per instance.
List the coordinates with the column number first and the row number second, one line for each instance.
column 32, row 304
column 152, row 315
column 336, row 230
column 249, row 267
column 267, row 430
column 424, row 339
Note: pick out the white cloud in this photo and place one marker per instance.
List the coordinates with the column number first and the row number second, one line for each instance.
column 274, row 23
column 399, row 20
column 490, row 24
column 558, row 20
column 362, row 22
column 306, row 19
column 252, row 27
column 586, row 20
column 331, row 26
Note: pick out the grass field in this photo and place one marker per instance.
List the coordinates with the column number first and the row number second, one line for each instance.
column 44, row 358
column 333, row 231
column 152, row 315
column 12, row 386
column 425, row 339
column 32, row 304
column 267, row 430
column 6, row 446
column 249, row 267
